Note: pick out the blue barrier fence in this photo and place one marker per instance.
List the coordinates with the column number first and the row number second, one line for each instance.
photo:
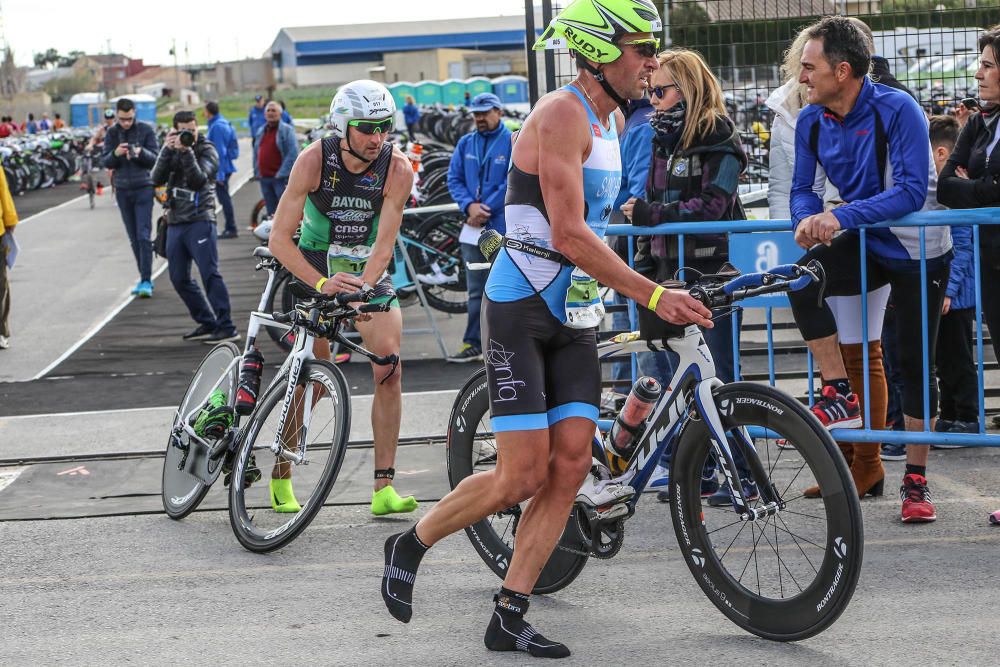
column 756, row 245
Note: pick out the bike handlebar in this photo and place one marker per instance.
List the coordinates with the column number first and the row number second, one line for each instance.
column 783, row 278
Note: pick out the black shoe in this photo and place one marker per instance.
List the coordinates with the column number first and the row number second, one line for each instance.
column 203, row 331
column 221, row 336
column 466, row 354
column 229, row 234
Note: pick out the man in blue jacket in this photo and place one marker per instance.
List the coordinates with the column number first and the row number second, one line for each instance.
column 477, row 180
column 873, row 142
column 255, row 121
column 130, row 149
column 223, row 137
column 276, row 150
column 411, row 115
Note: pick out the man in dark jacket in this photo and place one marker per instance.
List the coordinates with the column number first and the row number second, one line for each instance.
column 130, row 149
column 187, row 165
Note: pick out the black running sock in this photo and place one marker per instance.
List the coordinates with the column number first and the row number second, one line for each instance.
column 916, row 470
column 843, row 386
column 508, row 631
column 403, row 552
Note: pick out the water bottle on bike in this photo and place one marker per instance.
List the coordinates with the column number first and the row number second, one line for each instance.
column 246, row 395
column 621, row 439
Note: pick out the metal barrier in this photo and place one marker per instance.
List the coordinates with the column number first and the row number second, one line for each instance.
column 781, row 252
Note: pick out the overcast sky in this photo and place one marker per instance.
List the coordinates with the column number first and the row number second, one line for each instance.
column 219, row 30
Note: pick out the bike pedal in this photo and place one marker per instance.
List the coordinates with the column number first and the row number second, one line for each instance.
column 611, row 512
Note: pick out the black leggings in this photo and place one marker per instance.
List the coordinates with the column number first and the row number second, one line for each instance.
column 842, row 261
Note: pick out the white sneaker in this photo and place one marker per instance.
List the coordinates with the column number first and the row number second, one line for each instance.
column 659, row 480
column 598, row 490
column 4, row 342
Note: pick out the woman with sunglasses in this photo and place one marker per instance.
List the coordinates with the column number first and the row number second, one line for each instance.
column 697, row 158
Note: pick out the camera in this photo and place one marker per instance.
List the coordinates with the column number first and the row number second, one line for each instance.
column 971, row 103
column 186, row 137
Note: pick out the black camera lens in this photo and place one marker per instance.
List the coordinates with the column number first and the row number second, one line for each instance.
column 186, row 137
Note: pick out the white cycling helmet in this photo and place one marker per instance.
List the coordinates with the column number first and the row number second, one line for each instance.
column 360, row 100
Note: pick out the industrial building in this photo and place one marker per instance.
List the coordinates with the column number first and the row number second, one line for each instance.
column 405, row 51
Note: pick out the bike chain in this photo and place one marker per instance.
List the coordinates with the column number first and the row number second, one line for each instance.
column 605, row 553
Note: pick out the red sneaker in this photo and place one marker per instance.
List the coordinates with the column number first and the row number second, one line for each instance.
column 917, row 505
column 835, row 410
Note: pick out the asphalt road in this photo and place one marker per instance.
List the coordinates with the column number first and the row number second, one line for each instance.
column 152, row 591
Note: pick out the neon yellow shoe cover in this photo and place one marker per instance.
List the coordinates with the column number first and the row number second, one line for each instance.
column 282, row 496
column 387, row 501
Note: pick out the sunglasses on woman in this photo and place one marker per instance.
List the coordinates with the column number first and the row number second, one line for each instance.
column 383, row 126
column 660, row 91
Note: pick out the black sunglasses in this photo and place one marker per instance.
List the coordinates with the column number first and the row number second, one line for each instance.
column 645, row 47
column 372, row 126
column 660, row 91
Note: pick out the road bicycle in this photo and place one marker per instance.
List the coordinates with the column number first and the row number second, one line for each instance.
column 775, row 563
column 300, row 423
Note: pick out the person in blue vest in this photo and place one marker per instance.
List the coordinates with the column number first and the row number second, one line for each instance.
column 274, row 155
column 223, row 136
column 477, row 180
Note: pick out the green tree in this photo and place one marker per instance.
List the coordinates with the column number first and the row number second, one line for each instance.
column 50, row 58
column 65, row 87
column 688, row 13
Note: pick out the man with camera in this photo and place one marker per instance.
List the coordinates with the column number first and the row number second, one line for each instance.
column 130, row 149
column 187, row 165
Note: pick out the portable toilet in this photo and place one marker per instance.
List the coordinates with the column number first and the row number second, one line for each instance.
column 400, row 90
column 428, row 92
column 145, row 107
column 86, row 109
column 511, row 89
column 478, row 84
column 453, row 92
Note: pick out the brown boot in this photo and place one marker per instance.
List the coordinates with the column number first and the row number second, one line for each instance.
column 865, row 462
column 847, row 449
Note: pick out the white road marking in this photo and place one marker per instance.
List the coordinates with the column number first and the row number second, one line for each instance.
column 100, row 325
column 50, row 415
column 8, row 476
column 50, row 210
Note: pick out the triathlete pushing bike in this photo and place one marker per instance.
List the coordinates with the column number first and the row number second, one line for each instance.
column 349, row 191
column 540, row 310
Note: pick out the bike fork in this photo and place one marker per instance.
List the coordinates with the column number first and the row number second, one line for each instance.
column 770, row 502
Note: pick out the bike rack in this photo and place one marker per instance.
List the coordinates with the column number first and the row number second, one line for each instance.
column 431, row 327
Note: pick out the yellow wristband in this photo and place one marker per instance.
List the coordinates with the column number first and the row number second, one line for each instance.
column 655, row 298
column 320, row 283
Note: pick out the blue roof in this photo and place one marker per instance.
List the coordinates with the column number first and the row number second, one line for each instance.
column 330, row 47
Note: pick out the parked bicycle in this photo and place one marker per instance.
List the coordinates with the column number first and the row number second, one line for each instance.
column 775, row 563
column 299, row 424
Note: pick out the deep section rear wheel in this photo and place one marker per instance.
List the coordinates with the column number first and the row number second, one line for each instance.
column 790, row 573
column 471, row 450
column 220, row 369
column 321, row 438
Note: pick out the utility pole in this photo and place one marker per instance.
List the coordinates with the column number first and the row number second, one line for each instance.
column 177, row 72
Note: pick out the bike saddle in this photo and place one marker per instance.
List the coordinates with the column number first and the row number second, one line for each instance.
column 263, row 251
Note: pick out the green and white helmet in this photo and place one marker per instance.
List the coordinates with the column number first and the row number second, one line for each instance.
column 360, row 100
column 593, row 28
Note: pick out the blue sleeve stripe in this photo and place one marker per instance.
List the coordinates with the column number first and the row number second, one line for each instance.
column 530, row 422
column 576, row 409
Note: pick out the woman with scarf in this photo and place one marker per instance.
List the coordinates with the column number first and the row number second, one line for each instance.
column 694, row 173
column 971, row 178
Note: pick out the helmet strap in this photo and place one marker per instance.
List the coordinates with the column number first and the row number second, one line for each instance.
column 599, row 76
column 347, row 142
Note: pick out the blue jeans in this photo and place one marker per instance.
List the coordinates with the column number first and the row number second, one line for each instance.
column 196, row 241
column 222, row 194
column 136, row 207
column 271, row 189
column 475, row 281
